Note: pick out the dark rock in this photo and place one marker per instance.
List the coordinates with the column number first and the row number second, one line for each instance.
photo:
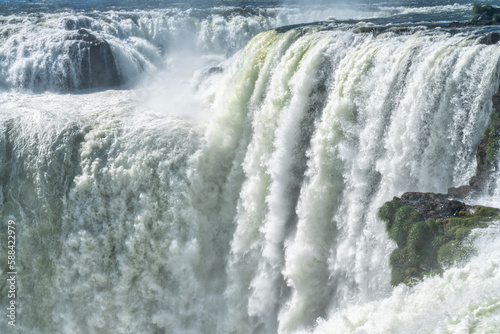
column 97, row 63
column 432, row 205
column 86, row 36
column 75, row 24
column 460, row 192
column 490, row 39
column 214, row 70
column 496, row 100
column 476, row 182
column 207, row 72
column 457, row 24
column 482, row 161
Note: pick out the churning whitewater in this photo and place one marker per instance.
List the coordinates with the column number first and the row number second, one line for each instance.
column 134, row 218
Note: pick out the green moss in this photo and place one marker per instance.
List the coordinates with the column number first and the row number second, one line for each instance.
column 404, row 263
column 397, row 276
column 487, row 13
column 433, row 272
column 411, row 280
column 404, row 218
column 387, row 211
column 460, row 227
column 464, row 213
column 485, row 211
column 461, row 233
column 453, row 252
column 426, row 247
column 404, row 258
column 439, row 240
column 419, row 235
column 476, row 8
column 491, row 136
column 488, row 10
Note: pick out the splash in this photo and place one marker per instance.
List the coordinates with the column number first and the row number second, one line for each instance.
column 464, row 300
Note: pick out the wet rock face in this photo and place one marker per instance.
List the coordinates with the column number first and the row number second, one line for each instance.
column 431, row 205
column 490, row 39
column 459, row 192
column 430, row 232
column 98, row 67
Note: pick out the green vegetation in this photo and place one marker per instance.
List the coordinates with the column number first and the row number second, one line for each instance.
column 426, row 247
column 485, row 13
column 479, row 9
column 492, row 137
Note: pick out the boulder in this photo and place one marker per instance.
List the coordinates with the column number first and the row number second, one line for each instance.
column 96, row 60
column 459, row 192
column 490, row 39
column 426, row 245
column 432, row 205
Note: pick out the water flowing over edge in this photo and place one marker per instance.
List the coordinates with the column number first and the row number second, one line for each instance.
column 267, row 221
column 74, row 49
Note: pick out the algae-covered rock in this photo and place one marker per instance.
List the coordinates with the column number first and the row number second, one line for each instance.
column 485, row 14
column 428, row 240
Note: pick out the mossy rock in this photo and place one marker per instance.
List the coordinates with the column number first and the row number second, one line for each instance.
column 492, row 136
column 404, row 220
column 479, row 9
column 387, row 211
column 485, row 211
column 485, row 14
column 454, row 252
column 426, row 247
column 404, row 258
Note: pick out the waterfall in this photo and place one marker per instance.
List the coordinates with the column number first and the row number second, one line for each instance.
column 339, row 122
column 263, row 221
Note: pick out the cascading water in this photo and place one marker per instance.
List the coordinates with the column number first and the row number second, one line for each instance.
column 64, row 51
column 463, row 300
column 57, row 51
column 132, row 220
column 379, row 109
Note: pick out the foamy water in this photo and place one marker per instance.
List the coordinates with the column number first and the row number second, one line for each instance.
column 231, row 183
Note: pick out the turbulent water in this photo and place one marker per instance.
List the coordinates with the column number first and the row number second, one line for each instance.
column 227, row 179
